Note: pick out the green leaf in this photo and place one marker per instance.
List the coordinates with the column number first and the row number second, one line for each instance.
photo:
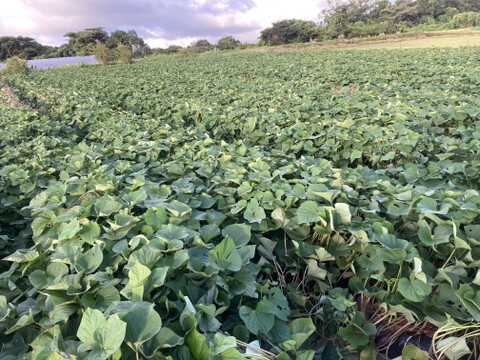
column 356, row 154
column 197, row 344
column 331, row 352
column 188, row 317
column 45, row 220
column 225, row 256
column 415, row 290
column 23, row 256
column 254, row 213
column 105, row 207
column 260, row 319
column 222, row 343
column 103, row 336
column 427, row 205
column 69, row 230
column 301, row 330
column 177, row 208
column 138, row 274
column 89, row 261
column 22, row 322
column 4, row 309
column 156, row 218
column 470, row 299
column 314, row 270
column 90, row 232
column 101, row 299
column 280, row 304
column 165, row 339
column 344, row 211
column 411, row 352
column 454, row 348
column 239, row 233
column 308, row 213
column 210, row 232
column 306, row 355
column 143, row 323
column 59, row 313
column 157, row 278
column 134, row 197
column 371, row 260
column 369, row 353
column 388, row 156
column 356, row 335
column 206, row 316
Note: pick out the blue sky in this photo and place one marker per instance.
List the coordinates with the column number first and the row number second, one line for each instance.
column 160, row 23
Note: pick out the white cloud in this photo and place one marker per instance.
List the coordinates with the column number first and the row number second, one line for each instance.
column 15, row 15
column 159, row 22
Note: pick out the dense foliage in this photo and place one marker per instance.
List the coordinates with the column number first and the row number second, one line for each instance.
column 15, row 65
column 24, row 47
column 78, row 43
column 227, row 43
column 308, row 204
column 361, row 18
column 290, row 31
column 84, row 42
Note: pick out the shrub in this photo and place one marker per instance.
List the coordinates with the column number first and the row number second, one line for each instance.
column 227, row 43
column 467, row 19
column 173, row 49
column 201, row 46
column 290, row 31
column 16, row 65
column 124, row 53
column 102, row 53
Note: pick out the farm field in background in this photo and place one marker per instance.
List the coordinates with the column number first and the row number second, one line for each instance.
column 425, row 42
column 248, row 205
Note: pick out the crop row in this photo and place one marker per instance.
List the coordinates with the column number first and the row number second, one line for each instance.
column 304, row 200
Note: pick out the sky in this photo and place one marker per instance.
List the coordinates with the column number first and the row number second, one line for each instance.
column 159, row 22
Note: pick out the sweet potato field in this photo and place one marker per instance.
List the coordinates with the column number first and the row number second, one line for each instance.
column 297, row 205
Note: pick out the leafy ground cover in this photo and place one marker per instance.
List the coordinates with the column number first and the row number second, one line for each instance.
column 300, row 205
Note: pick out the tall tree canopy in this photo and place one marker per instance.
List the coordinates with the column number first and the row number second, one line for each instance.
column 82, row 42
column 356, row 18
column 24, row 47
column 289, row 31
column 131, row 39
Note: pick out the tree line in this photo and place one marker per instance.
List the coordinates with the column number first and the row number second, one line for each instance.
column 78, row 44
column 362, row 18
column 341, row 19
column 93, row 41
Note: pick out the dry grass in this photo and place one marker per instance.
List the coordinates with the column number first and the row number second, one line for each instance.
column 453, row 38
column 424, row 42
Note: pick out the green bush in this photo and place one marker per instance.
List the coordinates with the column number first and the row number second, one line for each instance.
column 227, row 43
column 124, row 54
column 466, row 19
column 102, row 53
column 16, row 65
column 201, row 46
column 290, row 31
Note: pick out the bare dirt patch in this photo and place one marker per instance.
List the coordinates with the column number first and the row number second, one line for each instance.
column 9, row 97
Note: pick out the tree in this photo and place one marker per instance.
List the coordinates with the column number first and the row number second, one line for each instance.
column 131, row 39
column 124, row 53
column 23, row 47
column 201, row 46
column 102, row 53
column 290, row 31
column 173, row 49
column 16, row 65
column 82, row 42
column 406, row 10
column 227, row 43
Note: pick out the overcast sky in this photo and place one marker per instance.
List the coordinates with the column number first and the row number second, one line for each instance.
column 160, row 23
